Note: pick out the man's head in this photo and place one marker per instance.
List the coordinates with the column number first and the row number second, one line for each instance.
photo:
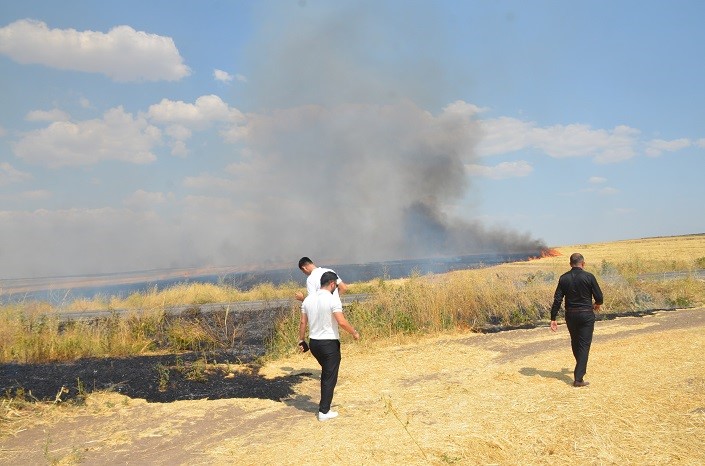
column 327, row 278
column 577, row 260
column 306, row 265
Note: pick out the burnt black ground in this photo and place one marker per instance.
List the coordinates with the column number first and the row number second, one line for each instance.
column 164, row 378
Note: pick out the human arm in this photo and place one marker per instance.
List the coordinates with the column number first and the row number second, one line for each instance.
column 342, row 287
column 557, row 300
column 345, row 325
column 299, row 296
column 303, row 323
column 597, row 295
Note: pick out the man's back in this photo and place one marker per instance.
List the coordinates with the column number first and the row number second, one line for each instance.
column 579, row 288
column 319, row 308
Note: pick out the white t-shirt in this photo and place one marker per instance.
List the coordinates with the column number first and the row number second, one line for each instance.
column 319, row 308
column 313, row 282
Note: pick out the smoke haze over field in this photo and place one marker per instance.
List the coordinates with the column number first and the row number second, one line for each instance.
column 346, row 146
column 342, row 131
column 355, row 156
column 360, row 182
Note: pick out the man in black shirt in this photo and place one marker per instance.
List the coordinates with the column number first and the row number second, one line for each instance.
column 578, row 287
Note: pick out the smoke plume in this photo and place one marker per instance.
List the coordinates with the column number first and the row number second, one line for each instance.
column 350, row 150
column 350, row 145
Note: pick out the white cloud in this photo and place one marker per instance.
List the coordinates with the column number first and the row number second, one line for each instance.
column 503, row 135
column 47, row 115
column 502, row 171
column 116, row 136
column 206, row 109
column 597, row 180
column 123, row 54
column 9, row 174
column 222, row 76
column 656, row 147
column 618, row 145
column 701, row 143
column 235, row 133
column 179, row 149
column 241, row 78
column 142, row 200
column 182, row 117
column 608, row 191
column 178, row 132
column 460, row 107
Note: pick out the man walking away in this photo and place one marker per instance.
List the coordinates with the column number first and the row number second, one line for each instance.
column 313, row 280
column 322, row 312
column 578, row 287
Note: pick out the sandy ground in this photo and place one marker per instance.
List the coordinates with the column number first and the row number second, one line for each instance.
column 503, row 398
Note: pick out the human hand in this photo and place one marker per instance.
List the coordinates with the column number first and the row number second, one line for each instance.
column 596, row 307
column 303, row 346
column 554, row 325
column 299, row 296
column 356, row 336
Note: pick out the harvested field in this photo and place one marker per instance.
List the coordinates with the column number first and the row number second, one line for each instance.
column 500, row 398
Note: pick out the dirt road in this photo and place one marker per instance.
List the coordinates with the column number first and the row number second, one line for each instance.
column 464, row 398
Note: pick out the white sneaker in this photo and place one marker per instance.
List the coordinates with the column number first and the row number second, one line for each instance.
column 328, row 415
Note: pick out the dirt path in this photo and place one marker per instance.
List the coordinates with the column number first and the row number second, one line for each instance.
column 466, row 398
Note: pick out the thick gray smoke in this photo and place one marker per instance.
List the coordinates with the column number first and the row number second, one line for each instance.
column 352, row 148
column 350, row 151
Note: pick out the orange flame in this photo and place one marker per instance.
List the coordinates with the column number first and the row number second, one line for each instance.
column 546, row 252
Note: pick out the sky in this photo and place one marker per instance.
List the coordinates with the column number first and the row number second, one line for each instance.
column 141, row 135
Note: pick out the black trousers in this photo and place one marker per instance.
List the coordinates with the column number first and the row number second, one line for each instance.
column 581, row 325
column 327, row 353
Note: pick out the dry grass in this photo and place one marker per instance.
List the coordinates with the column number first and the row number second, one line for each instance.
column 455, row 398
column 183, row 294
column 509, row 294
column 673, row 253
column 634, row 276
column 490, row 399
column 32, row 332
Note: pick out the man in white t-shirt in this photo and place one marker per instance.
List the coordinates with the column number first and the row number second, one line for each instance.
column 313, row 280
column 322, row 313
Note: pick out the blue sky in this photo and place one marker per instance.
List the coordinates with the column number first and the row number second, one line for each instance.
column 145, row 135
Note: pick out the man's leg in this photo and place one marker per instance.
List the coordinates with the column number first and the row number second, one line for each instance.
column 572, row 322
column 586, row 327
column 327, row 353
column 581, row 326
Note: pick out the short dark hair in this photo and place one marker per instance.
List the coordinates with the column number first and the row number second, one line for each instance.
column 304, row 260
column 576, row 259
column 328, row 277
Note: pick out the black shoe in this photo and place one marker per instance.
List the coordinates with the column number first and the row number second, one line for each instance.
column 580, row 383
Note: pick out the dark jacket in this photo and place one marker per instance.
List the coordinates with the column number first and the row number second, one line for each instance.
column 579, row 288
